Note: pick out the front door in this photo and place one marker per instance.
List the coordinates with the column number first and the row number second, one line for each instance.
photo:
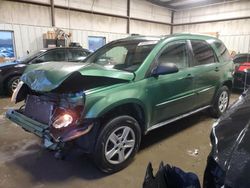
column 172, row 94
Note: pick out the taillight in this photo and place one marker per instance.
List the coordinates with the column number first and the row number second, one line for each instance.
column 242, row 67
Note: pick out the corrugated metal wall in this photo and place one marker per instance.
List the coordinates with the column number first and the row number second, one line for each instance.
column 30, row 37
column 235, row 34
column 238, row 43
column 29, row 22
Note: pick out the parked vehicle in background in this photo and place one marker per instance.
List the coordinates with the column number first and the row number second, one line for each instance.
column 10, row 72
column 122, row 91
column 242, row 62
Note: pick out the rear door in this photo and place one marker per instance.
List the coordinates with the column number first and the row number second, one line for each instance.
column 172, row 94
column 206, row 71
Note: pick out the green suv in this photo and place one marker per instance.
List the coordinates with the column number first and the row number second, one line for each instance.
column 121, row 92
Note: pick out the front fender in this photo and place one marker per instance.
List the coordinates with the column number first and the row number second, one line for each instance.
column 106, row 103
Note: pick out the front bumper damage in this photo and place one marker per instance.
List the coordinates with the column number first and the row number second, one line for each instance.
column 42, row 130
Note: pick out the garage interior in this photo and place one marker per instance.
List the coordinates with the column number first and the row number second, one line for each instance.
column 184, row 143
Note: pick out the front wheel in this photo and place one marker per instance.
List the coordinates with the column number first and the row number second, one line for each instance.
column 12, row 84
column 117, row 144
column 221, row 102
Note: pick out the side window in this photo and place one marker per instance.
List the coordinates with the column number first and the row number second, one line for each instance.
column 175, row 52
column 76, row 55
column 224, row 54
column 203, row 53
column 54, row 55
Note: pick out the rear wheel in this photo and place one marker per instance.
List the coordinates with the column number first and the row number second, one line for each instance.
column 12, row 84
column 221, row 102
column 117, row 144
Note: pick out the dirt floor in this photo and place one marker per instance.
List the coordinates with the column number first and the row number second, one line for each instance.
column 24, row 163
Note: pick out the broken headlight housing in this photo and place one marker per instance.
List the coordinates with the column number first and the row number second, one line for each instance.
column 66, row 123
column 67, row 114
column 62, row 121
column 65, row 117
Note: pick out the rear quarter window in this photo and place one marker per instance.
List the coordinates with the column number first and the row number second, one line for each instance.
column 223, row 52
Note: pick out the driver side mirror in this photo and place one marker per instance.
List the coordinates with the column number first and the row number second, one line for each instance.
column 165, row 68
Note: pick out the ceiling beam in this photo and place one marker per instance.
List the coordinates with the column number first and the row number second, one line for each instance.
column 168, row 4
column 212, row 21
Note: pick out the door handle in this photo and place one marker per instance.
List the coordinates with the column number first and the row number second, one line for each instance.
column 216, row 69
column 189, row 76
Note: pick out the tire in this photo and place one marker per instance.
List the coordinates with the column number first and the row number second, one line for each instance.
column 115, row 130
column 220, row 102
column 12, row 84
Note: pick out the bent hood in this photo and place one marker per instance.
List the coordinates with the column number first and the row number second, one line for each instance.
column 48, row 76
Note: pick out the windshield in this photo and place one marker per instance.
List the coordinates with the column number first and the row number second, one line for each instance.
column 31, row 56
column 123, row 55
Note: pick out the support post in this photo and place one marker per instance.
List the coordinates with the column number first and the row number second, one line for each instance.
column 128, row 15
column 172, row 22
column 52, row 6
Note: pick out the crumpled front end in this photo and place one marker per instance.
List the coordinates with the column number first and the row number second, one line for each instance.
column 56, row 118
column 55, row 99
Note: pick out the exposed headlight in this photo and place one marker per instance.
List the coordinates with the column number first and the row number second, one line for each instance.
column 63, row 121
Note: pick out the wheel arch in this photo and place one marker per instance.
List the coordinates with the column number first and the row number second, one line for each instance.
column 133, row 109
column 228, row 83
column 7, row 78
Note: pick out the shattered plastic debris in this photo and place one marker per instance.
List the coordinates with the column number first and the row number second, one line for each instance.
column 193, row 153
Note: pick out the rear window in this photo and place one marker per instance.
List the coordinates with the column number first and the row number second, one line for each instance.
column 223, row 52
column 242, row 59
column 54, row 55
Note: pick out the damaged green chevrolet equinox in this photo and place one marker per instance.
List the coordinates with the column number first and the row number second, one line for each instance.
column 121, row 92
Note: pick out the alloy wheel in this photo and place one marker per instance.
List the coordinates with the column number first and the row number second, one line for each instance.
column 14, row 84
column 223, row 101
column 119, row 145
